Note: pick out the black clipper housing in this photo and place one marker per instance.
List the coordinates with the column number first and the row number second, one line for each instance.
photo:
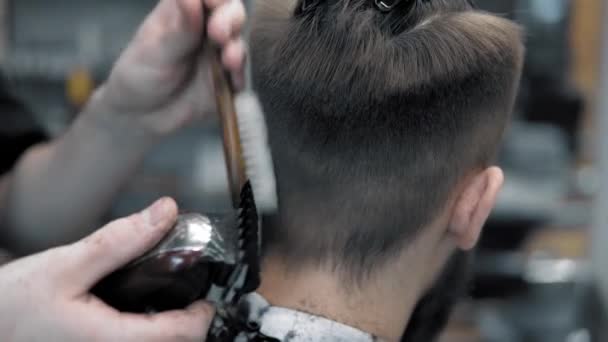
column 215, row 258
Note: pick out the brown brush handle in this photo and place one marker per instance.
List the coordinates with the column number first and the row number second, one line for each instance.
column 224, row 98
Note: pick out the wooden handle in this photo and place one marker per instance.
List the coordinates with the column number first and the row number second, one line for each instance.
column 224, row 98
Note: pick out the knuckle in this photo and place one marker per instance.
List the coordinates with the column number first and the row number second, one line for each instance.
column 104, row 239
column 94, row 244
column 137, row 226
column 136, row 222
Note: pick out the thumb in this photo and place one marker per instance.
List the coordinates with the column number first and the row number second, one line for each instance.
column 119, row 243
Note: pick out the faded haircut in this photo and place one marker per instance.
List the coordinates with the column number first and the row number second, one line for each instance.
column 374, row 118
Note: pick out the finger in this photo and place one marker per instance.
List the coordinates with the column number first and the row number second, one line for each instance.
column 233, row 55
column 191, row 324
column 226, row 22
column 120, row 242
column 171, row 32
column 213, row 4
column 238, row 80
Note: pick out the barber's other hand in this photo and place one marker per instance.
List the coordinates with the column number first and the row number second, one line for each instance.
column 162, row 80
column 46, row 297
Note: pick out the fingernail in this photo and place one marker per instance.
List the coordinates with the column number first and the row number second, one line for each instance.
column 157, row 213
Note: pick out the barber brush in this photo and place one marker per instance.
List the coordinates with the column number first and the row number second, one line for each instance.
column 245, row 139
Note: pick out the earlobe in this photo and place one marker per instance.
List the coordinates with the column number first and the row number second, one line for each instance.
column 474, row 206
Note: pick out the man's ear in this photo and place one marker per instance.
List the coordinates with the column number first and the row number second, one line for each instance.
column 473, row 206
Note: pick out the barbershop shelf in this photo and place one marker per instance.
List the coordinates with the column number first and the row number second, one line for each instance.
column 536, row 162
column 524, row 200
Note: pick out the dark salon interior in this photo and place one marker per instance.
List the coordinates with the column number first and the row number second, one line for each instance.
column 540, row 270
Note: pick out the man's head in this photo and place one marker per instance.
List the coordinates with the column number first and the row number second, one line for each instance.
column 382, row 125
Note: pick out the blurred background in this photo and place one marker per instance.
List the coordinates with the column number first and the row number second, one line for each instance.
column 539, row 274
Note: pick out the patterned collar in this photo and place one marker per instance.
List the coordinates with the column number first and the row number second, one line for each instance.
column 295, row 326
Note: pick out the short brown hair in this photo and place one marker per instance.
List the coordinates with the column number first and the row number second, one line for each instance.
column 374, row 118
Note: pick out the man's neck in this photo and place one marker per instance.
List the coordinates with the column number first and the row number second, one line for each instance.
column 381, row 308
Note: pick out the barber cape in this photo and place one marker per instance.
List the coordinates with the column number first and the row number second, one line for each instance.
column 283, row 324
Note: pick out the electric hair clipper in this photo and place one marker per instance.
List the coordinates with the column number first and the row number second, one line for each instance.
column 203, row 257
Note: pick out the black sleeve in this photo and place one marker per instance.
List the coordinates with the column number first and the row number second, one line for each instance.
column 19, row 129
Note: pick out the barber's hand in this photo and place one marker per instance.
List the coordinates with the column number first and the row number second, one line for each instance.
column 46, row 297
column 162, row 80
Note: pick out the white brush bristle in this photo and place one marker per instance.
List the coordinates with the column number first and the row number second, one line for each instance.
column 256, row 151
